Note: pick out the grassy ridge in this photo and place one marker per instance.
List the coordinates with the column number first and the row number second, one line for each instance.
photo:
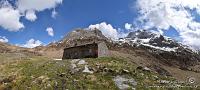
column 36, row 73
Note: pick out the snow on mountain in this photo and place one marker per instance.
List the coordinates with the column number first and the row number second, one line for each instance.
column 152, row 40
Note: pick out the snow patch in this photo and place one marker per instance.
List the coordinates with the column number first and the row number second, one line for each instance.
column 145, row 40
column 162, row 48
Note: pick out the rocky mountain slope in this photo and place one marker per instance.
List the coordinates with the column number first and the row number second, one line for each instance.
column 162, row 49
column 165, row 50
column 169, row 51
column 76, row 37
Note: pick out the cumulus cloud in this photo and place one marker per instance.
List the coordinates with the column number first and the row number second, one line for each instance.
column 32, row 43
column 29, row 7
column 10, row 15
column 30, row 15
column 50, row 31
column 163, row 14
column 106, row 29
column 3, row 39
column 128, row 26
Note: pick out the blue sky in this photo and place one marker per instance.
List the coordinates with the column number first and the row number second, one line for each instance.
column 26, row 21
column 72, row 14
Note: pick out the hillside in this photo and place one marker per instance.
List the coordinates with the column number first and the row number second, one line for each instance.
column 109, row 73
column 140, row 60
column 162, row 54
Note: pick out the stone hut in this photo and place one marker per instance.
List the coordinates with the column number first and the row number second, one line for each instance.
column 89, row 50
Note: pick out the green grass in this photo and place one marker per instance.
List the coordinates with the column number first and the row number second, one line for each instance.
column 38, row 73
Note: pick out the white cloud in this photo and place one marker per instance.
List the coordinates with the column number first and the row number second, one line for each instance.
column 163, row 14
column 9, row 17
column 50, row 31
column 54, row 13
column 29, row 7
column 37, row 5
column 122, row 33
column 128, row 26
column 3, row 39
column 106, row 29
column 30, row 15
column 32, row 43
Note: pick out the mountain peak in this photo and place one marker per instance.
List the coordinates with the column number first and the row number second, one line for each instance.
column 151, row 39
column 142, row 34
